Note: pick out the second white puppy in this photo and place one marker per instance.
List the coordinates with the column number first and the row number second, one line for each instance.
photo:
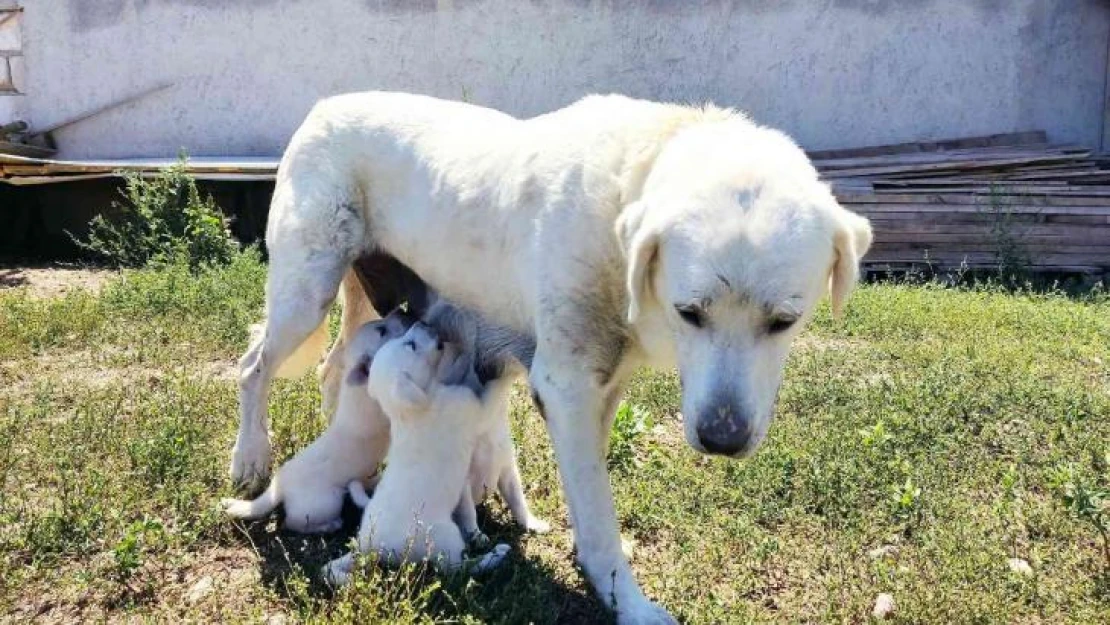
column 312, row 484
column 435, row 422
column 493, row 466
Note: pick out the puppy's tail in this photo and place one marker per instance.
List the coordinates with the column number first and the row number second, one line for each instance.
column 358, row 493
column 253, row 509
column 307, row 355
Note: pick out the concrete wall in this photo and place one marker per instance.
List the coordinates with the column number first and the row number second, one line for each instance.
column 831, row 72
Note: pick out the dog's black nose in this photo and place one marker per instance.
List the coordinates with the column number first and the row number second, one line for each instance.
column 724, row 430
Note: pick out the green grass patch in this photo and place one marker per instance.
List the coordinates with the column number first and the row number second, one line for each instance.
column 921, row 444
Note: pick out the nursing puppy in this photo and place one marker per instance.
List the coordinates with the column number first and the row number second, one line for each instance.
column 493, row 466
column 435, row 421
column 312, row 484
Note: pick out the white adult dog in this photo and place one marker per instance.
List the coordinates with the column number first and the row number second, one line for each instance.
column 616, row 232
column 435, row 420
column 313, row 483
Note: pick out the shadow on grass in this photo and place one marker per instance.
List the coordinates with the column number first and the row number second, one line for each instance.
column 521, row 590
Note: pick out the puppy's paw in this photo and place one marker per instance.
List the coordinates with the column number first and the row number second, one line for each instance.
column 250, row 465
column 644, row 612
column 627, row 545
column 491, row 560
column 537, row 525
column 338, row 572
column 478, row 540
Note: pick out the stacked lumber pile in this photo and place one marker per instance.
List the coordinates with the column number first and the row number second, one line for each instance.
column 978, row 201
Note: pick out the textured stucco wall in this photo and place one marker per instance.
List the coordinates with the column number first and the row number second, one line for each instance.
column 831, row 72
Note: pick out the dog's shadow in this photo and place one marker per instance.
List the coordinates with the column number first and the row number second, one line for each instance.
column 522, row 589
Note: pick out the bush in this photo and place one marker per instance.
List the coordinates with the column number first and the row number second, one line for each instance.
column 162, row 219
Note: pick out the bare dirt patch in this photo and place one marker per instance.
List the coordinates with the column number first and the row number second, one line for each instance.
column 53, row 280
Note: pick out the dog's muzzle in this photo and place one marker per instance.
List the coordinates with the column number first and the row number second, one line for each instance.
column 725, row 429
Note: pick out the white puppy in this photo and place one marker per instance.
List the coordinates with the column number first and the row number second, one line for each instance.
column 493, row 465
column 435, row 422
column 312, row 484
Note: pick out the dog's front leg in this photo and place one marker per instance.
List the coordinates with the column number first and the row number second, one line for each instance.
column 573, row 405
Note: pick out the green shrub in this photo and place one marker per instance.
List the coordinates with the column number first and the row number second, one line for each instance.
column 161, row 219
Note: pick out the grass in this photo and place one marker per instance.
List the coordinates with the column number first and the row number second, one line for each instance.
column 921, row 443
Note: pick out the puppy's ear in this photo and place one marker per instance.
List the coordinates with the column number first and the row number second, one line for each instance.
column 850, row 242
column 408, row 393
column 358, row 373
column 640, row 243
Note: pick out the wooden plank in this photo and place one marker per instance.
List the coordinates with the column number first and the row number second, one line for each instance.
column 974, row 219
column 1002, row 139
column 887, row 266
column 1095, row 234
column 985, row 257
column 961, row 165
column 957, row 199
column 988, row 240
column 1099, row 192
column 875, row 209
column 940, row 185
column 829, row 164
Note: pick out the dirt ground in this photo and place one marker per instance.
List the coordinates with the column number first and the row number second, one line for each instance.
column 52, row 280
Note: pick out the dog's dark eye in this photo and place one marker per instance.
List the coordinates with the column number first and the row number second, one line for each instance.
column 439, row 346
column 780, row 324
column 691, row 315
column 411, row 345
column 381, row 330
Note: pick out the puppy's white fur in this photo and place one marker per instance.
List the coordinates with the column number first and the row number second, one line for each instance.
column 493, row 466
column 312, row 484
column 435, row 427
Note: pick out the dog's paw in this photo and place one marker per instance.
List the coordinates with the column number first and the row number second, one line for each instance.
column 644, row 612
column 250, row 465
column 537, row 525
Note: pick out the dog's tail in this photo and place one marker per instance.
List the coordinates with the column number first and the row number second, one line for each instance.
column 253, row 509
column 358, row 493
column 307, row 355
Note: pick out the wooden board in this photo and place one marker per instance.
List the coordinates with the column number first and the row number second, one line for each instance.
column 1003, row 139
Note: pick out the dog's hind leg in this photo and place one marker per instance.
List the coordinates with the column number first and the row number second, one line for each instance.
column 356, row 312
column 309, row 252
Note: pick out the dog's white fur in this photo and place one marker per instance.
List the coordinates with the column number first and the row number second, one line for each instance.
column 606, row 230
column 312, row 484
column 435, row 426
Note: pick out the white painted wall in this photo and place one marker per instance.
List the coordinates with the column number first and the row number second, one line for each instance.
column 832, row 72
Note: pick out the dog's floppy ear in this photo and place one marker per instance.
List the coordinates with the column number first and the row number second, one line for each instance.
column 850, row 242
column 408, row 393
column 640, row 243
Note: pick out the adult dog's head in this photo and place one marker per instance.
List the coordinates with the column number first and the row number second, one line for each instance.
column 730, row 243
